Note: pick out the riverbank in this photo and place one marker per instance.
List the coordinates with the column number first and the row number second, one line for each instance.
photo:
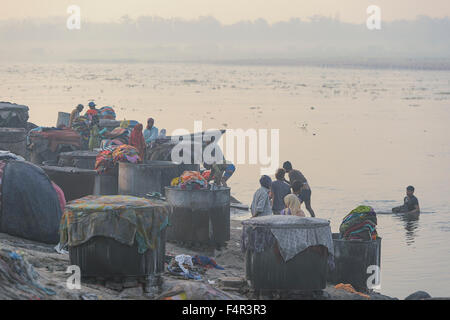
column 229, row 283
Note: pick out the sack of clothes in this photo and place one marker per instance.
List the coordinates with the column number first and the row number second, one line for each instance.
column 359, row 224
column 107, row 113
column 31, row 205
column 190, row 180
column 13, row 115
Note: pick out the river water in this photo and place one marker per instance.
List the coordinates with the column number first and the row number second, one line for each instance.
column 360, row 136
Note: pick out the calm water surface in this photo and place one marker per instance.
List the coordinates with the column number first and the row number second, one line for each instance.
column 360, row 136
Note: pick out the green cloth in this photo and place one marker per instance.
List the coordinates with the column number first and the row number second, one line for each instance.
column 125, row 219
column 94, row 139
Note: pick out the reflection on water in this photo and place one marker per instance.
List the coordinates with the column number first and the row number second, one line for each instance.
column 411, row 224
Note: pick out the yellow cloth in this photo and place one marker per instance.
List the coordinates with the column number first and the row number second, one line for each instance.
column 125, row 124
column 175, row 182
column 291, row 201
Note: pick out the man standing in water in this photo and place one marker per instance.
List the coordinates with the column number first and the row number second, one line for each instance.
column 305, row 192
column 410, row 205
column 297, row 188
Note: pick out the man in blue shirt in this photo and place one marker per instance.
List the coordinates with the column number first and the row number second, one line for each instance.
column 151, row 133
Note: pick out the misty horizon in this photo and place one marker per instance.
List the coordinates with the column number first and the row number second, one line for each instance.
column 423, row 42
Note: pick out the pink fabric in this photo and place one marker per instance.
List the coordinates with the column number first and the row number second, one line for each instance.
column 61, row 197
column 2, row 169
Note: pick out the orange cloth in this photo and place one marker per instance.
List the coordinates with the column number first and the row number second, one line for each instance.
column 349, row 288
column 137, row 140
column 188, row 175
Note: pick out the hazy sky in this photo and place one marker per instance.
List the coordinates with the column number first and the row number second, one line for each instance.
column 226, row 11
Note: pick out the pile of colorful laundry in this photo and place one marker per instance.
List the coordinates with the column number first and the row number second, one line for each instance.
column 116, row 137
column 126, row 153
column 107, row 113
column 190, row 267
column 359, row 224
column 108, row 159
column 104, row 161
column 190, row 180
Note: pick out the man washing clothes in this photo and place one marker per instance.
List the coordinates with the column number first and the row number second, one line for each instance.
column 410, row 203
column 305, row 191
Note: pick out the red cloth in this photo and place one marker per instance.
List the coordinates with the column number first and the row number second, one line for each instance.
column 206, row 174
column 92, row 112
column 61, row 197
column 137, row 140
column 57, row 137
